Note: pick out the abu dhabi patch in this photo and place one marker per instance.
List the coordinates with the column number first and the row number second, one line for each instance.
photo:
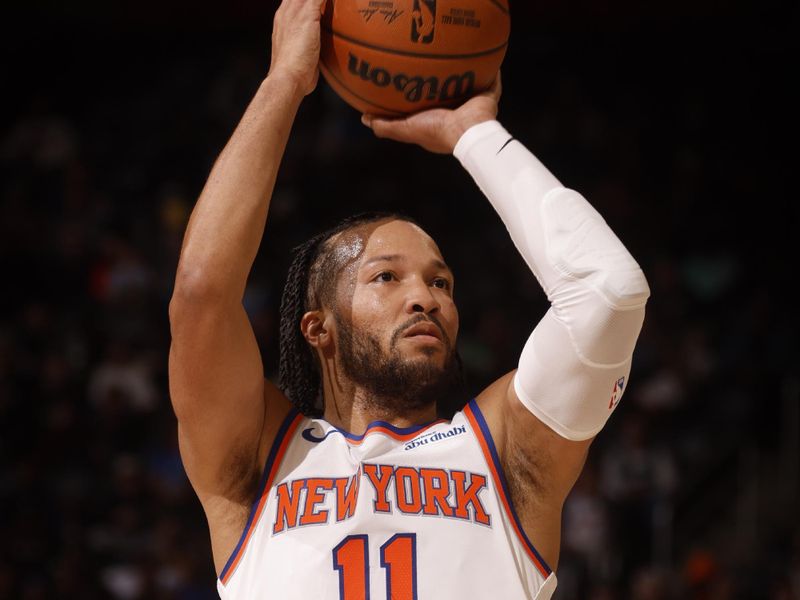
column 436, row 436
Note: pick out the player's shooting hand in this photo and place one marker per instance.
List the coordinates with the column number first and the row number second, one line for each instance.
column 439, row 129
column 296, row 42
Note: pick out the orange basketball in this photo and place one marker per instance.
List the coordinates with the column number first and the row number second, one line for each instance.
column 395, row 57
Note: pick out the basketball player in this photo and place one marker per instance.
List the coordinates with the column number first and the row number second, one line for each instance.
column 376, row 498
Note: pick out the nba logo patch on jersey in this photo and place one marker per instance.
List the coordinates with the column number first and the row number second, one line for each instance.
column 616, row 393
column 423, row 21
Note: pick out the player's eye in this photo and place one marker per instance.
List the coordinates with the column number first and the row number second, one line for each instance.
column 385, row 276
column 441, row 283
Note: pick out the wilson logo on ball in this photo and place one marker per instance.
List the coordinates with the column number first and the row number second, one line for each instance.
column 398, row 57
column 416, row 87
column 423, row 21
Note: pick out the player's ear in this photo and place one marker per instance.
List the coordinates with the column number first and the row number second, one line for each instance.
column 315, row 328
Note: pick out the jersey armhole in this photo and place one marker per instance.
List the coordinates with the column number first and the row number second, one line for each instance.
column 274, row 459
column 478, row 423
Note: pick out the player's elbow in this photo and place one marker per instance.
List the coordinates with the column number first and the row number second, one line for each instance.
column 604, row 313
column 587, row 255
column 617, row 284
column 626, row 287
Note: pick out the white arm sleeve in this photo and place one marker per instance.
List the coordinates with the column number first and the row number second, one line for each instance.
column 575, row 365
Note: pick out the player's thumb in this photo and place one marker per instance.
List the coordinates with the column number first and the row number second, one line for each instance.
column 386, row 128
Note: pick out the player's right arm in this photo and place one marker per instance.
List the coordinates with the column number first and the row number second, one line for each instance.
column 572, row 371
column 227, row 413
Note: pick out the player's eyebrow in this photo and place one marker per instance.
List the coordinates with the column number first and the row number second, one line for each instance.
column 399, row 257
column 382, row 258
column 440, row 265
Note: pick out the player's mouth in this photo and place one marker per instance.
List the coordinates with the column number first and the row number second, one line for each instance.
column 424, row 332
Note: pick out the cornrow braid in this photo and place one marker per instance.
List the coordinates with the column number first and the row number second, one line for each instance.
column 298, row 370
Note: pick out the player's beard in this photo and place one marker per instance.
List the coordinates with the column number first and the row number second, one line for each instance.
column 392, row 382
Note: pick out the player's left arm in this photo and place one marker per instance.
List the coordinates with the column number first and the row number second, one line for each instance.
column 575, row 366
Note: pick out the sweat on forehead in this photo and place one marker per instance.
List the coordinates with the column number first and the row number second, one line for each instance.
column 340, row 251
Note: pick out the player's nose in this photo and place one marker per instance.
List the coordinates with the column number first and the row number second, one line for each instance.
column 420, row 299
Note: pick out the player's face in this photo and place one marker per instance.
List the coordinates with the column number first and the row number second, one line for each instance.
column 402, row 294
column 397, row 319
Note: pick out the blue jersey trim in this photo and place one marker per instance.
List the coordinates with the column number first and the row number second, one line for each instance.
column 401, row 431
column 473, row 404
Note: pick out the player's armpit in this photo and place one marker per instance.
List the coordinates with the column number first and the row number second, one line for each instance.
column 540, row 465
column 569, row 381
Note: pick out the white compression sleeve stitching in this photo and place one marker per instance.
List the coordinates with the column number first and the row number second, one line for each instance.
column 574, row 368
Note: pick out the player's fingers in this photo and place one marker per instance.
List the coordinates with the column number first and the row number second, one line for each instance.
column 287, row 12
column 291, row 9
column 314, row 8
column 385, row 128
column 380, row 127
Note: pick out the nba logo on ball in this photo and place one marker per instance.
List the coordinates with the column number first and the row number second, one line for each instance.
column 423, row 21
column 397, row 57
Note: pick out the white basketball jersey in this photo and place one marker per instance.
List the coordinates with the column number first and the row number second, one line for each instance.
column 419, row 513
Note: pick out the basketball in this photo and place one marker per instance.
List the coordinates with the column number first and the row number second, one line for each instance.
column 396, row 57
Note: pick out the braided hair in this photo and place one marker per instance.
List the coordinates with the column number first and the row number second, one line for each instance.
column 309, row 284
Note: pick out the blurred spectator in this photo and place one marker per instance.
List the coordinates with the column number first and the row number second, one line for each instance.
column 122, row 377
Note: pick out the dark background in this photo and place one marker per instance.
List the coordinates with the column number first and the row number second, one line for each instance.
column 674, row 119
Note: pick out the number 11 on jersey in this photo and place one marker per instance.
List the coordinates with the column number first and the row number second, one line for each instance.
column 398, row 559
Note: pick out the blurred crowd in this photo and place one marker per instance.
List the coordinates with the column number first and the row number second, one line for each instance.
column 690, row 492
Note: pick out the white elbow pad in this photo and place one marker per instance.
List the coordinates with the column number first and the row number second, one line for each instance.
column 560, row 235
column 582, row 247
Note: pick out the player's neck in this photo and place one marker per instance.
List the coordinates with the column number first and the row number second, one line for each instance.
column 354, row 413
